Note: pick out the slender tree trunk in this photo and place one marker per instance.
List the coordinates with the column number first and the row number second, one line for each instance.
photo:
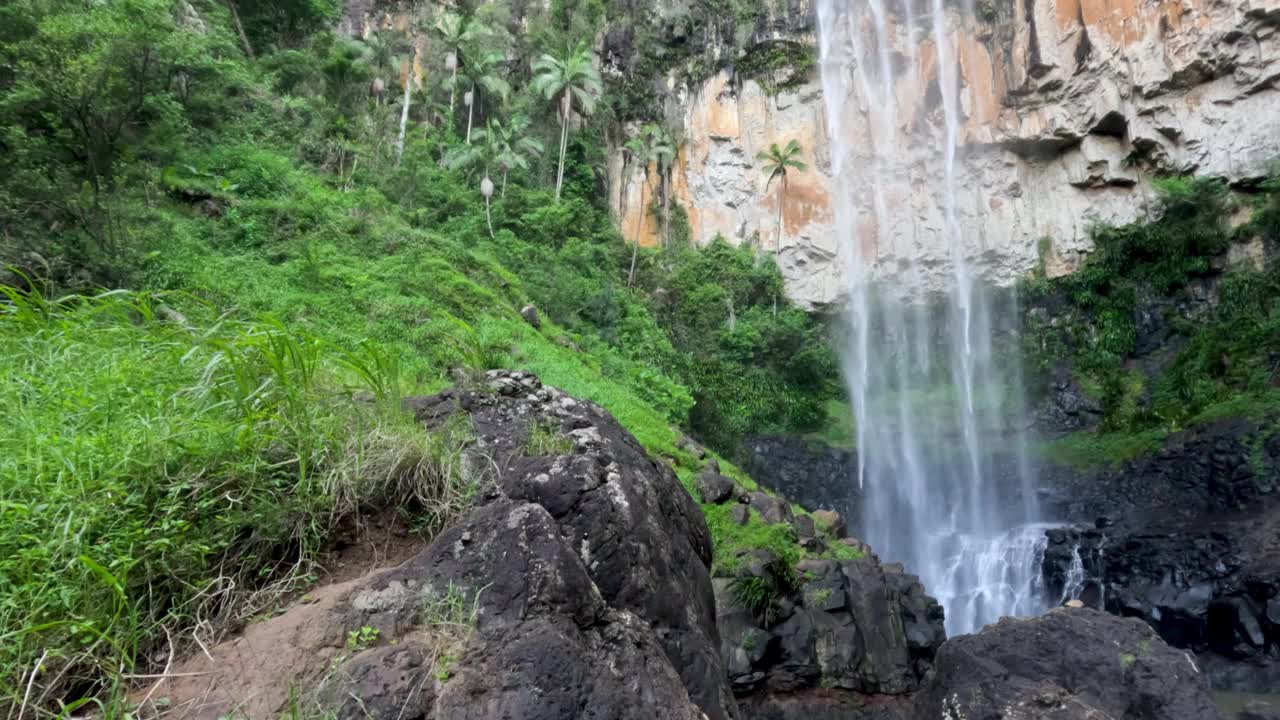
column 489, row 216
column 666, row 209
column 453, row 92
column 404, row 113
column 564, row 143
column 733, row 316
column 504, row 183
column 635, row 249
column 235, row 19
column 471, row 112
column 778, row 246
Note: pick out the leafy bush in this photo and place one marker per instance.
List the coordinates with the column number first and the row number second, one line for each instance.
column 1228, row 353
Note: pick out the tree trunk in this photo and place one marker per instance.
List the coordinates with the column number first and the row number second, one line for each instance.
column 453, row 93
column 489, row 216
column 666, row 209
column 564, row 142
column 782, row 189
column 471, row 112
column 504, row 183
column 235, row 19
column 635, row 249
column 404, row 113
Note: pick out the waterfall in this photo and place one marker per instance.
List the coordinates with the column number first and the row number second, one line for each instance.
column 932, row 400
column 1074, row 583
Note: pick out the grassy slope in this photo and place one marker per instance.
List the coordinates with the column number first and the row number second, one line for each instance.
column 151, row 465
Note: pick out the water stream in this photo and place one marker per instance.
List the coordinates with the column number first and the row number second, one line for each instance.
column 932, row 399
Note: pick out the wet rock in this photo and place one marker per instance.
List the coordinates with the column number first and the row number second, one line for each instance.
column 1067, row 665
column 740, row 514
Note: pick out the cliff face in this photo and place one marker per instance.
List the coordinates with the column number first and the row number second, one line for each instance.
column 1067, row 109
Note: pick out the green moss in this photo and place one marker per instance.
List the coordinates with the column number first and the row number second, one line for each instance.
column 729, row 539
column 779, row 65
column 1086, row 450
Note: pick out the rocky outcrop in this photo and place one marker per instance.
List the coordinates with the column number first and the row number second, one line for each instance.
column 1066, row 665
column 848, row 624
column 1187, row 539
column 579, row 587
column 812, row 474
column 1067, row 109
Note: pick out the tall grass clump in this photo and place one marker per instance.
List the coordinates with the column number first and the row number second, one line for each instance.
column 162, row 476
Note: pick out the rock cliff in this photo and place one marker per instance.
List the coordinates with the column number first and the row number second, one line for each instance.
column 1068, row 108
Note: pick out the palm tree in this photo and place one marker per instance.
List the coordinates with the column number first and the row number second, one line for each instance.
column 381, row 52
column 512, row 148
column 481, row 74
column 456, row 31
column 485, row 152
column 651, row 147
column 776, row 162
column 665, row 160
column 567, row 78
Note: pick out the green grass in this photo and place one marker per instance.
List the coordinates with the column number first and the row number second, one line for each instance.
column 1087, row 450
column 153, row 472
column 839, row 428
column 545, row 438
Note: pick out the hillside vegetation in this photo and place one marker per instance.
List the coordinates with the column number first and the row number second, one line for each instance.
column 1160, row 327
column 235, row 241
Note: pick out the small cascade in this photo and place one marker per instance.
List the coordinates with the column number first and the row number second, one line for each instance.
column 1102, row 573
column 1074, row 583
column 933, row 401
column 987, row 578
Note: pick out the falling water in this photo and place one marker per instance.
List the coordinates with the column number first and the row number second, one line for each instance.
column 1073, row 585
column 931, row 398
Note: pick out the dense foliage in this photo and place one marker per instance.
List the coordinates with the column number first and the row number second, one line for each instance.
column 299, row 216
column 1159, row 326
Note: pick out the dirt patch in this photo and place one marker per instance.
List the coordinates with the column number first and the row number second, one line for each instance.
column 254, row 674
column 367, row 544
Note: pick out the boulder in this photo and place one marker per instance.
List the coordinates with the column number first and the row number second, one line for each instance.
column 1066, row 665
column 772, row 510
column 831, row 523
column 714, row 487
column 641, row 536
column 531, row 316
column 804, row 526
column 579, row 588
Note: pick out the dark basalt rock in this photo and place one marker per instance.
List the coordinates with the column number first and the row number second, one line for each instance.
column 811, row 474
column 714, row 487
column 854, row 625
column 772, row 510
column 1190, row 543
column 1067, row 407
column 546, row 644
column 1066, row 665
column 641, row 538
